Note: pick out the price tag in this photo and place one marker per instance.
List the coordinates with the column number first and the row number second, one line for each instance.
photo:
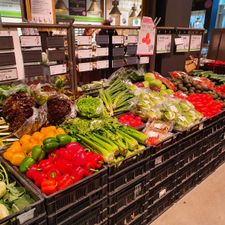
column 158, row 126
column 132, row 39
column 8, row 74
column 158, row 160
column 30, row 41
column 58, row 69
column 153, row 134
column 102, row 52
column 162, row 193
column 117, row 39
column 184, row 46
column 182, row 118
column 84, row 40
column 178, row 41
column 82, row 67
column 103, row 64
column 144, row 60
column 196, row 41
column 26, row 216
column 84, row 54
column 137, row 190
column 163, row 43
column 201, row 126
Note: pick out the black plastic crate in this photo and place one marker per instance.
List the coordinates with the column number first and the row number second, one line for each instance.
column 211, row 154
column 186, row 185
column 91, row 215
column 131, row 193
column 130, row 169
column 159, row 207
column 188, row 171
column 35, row 213
column 162, row 189
column 80, row 195
column 216, row 118
column 133, row 214
column 208, row 169
column 189, row 155
column 163, row 171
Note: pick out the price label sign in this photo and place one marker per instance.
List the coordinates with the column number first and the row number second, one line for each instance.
column 58, row 69
column 30, row 41
column 82, row 67
column 103, row 64
column 163, row 43
column 144, row 60
column 146, row 38
column 117, row 39
column 196, row 41
column 184, row 47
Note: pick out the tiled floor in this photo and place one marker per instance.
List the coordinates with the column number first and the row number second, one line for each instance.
column 204, row 205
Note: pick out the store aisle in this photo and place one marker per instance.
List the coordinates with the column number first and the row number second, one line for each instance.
column 204, row 205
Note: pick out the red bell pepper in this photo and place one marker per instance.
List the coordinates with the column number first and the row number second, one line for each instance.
column 74, row 147
column 33, row 170
column 78, row 173
column 64, row 181
column 46, row 165
column 39, row 178
column 53, row 155
column 53, row 174
column 49, row 186
column 64, row 166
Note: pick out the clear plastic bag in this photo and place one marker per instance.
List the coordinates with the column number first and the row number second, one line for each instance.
column 40, row 93
column 60, row 108
column 34, row 123
column 90, row 107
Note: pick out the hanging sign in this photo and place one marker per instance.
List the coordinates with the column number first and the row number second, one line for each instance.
column 163, row 43
column 184, row 46
column 196, row 41
column 146, row 38
column 41, row 11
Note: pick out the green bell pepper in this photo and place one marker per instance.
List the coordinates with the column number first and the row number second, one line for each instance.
column 36, row 152
column 51, row 146
column 26, row 164
column 63, row 139
column 49, row 140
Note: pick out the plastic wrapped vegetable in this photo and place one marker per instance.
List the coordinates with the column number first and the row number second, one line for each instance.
column 41, row 92
column 90, row 107
column 60, row 108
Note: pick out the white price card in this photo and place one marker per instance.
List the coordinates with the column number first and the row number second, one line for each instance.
column 30, row 41
column 103, row 64
column 132, row 39
column 58, row 69
column 26, row 216
column 196, row 41
column 144, row 60
column 84, row 54
column 163, row 43
column 102, row 51
column 82, row 67
column 146, row 38
column 8, row 74
column 184, row 46
column 118, row 39
column 162, row 192
column 84, row 40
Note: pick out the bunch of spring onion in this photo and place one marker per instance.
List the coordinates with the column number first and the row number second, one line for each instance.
column 117, row 98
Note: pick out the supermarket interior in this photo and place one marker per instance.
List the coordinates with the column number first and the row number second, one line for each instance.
column 112, row 112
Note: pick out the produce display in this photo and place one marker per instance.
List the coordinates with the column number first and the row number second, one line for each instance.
column 18, row 151
column 216, row 78
column 130, row 119
column 62, row 140
column 63, row 167
column 205, row 104
column 189, row 85
column 13, row 198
